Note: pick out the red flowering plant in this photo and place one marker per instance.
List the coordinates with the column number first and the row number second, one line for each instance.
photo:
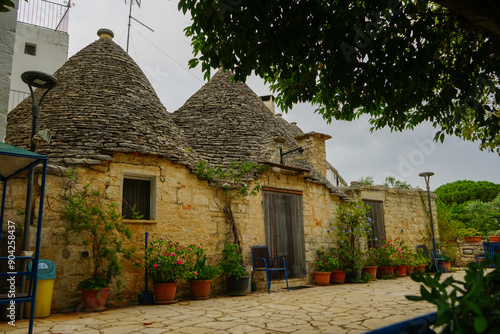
column 372, row 257
column 387, row 253
column 166, row 261
column 325, row 262
column 402, row 254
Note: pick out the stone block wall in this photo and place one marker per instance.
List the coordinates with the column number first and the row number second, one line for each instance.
column 186, row 211
column 405, row 212
column 467, row 252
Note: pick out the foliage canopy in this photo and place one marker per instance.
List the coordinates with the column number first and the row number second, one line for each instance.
column 466, row 190
column 400, row 62
column 97, row 221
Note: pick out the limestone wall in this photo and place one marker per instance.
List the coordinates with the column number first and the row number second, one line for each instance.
column 405, row 212
column 467, row 252
column 186, row 211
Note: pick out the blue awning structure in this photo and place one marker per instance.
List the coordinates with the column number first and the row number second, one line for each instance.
column 13, row 162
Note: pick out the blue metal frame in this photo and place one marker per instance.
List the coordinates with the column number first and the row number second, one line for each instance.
column 490, row 249
column 32, row 159
column 439, row 256
column 268, row 268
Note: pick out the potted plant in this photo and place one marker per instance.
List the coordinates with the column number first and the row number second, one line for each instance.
column 387, row 252
column 97, row 222
column 352, row 229
column 401, row 258
column 472, row 235
column 370, row 264
column 231, row 266
column 323, row 267
column 447, row 262
column 419, row 261
column 166, row 263
column 494, row 236
column 201, row 274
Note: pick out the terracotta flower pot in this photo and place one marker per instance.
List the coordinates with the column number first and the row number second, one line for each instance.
column 372, row 271
column 409, row 270
column 322, row 278
column 337, row 277
column 494, row 238
column 200, row 289
column 473, row 239
column 400, row 270
column 95, row 300
column 420, row 268
column 385, row 271
column 165, row 293
column 447, row 265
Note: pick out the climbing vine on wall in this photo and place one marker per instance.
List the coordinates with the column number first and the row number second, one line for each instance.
column 231, row 182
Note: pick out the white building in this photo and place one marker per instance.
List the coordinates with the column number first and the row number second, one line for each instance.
column 41, row 44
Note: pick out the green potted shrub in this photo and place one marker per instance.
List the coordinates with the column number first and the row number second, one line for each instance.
column 351, row 230
column 98, row 224
column 420, row 261
column 231, row 266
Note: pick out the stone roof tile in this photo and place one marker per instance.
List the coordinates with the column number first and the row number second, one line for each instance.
column 103, row 104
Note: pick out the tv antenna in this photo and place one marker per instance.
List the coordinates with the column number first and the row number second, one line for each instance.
column 130, row 18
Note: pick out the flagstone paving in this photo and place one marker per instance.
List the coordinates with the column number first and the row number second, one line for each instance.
column 346, row 308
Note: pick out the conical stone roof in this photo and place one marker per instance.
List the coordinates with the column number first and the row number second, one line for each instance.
column 226, row 121
column 103, row 104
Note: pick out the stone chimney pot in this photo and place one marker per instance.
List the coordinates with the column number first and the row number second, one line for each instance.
column 105, row 33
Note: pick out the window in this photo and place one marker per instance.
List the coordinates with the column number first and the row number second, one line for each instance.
column 138, row 200
column 30, row 49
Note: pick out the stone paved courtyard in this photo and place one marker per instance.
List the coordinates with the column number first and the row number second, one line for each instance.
column 347, row 308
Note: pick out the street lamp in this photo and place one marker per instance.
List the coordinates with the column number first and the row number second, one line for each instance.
column 282, row 154
column 427, row 176
column 45, row 81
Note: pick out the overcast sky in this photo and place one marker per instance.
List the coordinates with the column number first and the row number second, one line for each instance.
column 353, row 149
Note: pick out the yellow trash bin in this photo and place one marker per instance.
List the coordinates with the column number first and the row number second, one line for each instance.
column 44, row 289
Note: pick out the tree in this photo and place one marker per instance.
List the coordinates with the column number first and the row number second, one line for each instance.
column 401, row 62
column 463, row 191
column 5, row 4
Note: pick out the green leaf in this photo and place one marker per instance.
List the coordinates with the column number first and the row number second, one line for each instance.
column 480, row 324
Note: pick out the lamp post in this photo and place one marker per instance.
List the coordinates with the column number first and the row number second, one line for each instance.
column 45, row 81
column 427, row 176
column 282, row 154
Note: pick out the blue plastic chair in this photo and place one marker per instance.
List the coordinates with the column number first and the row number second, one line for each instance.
column 262, row 262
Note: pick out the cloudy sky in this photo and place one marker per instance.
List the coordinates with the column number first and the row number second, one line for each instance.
column 353, row 149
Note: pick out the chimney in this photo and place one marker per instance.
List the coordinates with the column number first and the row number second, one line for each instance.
column 105, row 33
column 314, row 147
column 269, row 102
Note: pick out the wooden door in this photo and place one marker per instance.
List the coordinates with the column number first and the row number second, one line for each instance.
column 376, row 213
column 285, row 229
